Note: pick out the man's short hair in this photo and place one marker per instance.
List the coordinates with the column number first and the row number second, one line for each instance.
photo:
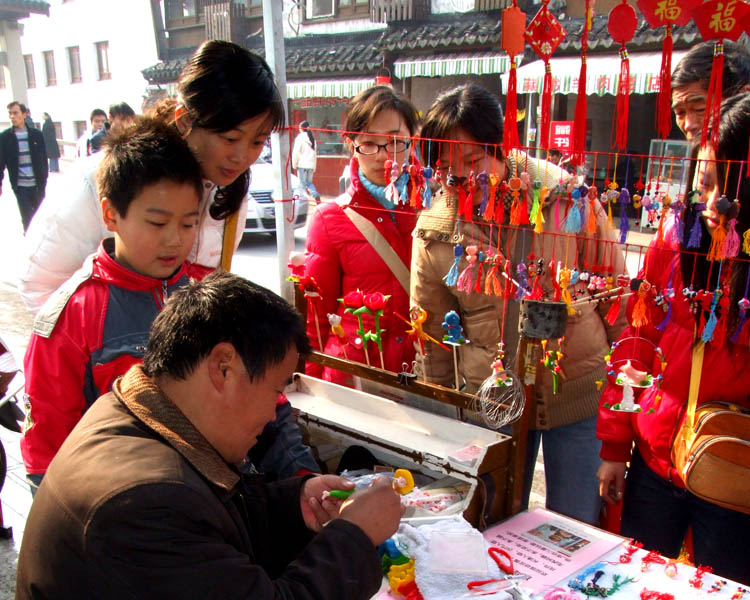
column 696, row 66
column 144, row 155
column 261, row 326
column 97, row 112
column 121, row 110
column 21, row 106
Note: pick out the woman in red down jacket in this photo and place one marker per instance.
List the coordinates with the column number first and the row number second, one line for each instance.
column 657, row 509
column 342, row 261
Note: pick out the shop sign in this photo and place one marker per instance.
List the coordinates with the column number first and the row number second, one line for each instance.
column 562, row 135
column 319, row 102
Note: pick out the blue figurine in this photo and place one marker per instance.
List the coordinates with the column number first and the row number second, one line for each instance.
column 452, row 325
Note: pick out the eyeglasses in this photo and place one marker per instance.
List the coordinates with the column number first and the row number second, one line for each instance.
column 393, row 146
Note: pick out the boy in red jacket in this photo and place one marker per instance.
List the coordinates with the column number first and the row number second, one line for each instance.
column 96, row 325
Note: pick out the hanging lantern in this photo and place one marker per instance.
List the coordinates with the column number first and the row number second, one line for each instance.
column 383, row 77
column 621, row 26
column 717, row 20
column 667, row 13
column 512, row 41
column 544, row 34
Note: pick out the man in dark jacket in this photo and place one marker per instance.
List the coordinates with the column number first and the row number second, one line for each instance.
column 50, row 143
column 22, row 152
column 144, row 499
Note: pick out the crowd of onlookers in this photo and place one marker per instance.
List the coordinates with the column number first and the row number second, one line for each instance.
column 154, row 382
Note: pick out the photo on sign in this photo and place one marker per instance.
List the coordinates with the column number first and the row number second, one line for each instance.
column 558, row 537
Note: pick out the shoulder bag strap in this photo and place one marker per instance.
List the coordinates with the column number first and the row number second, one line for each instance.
column 695, row 383
column 227, row 245
column 381, row 246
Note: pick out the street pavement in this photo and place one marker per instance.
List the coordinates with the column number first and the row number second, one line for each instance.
column 255, row 259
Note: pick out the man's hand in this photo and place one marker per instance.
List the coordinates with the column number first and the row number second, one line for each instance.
column 611, row 480
column 315, row 510
column 376, row 510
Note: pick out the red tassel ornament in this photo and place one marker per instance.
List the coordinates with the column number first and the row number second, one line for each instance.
column 512, row 41
column 621, row 26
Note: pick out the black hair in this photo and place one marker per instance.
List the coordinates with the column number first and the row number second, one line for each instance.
column 306, row 126
column 121, row 110
column 97, row 112
column 261, row 326
column 469, row 107
column 369, row 103
column 223, row 85
column 149, row 152
column 734, row 137
column 21, row 106
column 696, row 66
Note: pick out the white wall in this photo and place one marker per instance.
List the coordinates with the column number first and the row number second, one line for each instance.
column 125, row 24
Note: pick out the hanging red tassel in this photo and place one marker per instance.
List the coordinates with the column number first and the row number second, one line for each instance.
column 614, row 310
column 713, row 98
column 578, row 155
column 664, row 98
column 621, row 26
column 544, row 34
column 511, row 40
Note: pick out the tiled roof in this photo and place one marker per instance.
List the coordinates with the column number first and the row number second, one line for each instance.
column 443, row 31
column 645, row 37
column 167, row 71
column 343, row 54
column 17, row 7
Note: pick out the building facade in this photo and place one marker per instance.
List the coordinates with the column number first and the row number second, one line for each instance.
column 86, row 54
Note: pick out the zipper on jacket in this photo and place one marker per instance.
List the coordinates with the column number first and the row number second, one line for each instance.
column 164, row 290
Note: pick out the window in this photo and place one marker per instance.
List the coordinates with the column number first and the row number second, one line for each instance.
column 80, row 127
column 74, row 61
column 256, row 2
column 49, row 67
column 30, row 77
column 179, row 9
column 102, row 58
column 319, row 8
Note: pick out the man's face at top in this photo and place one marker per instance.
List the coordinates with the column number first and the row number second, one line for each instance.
column 16, row 116
column 689, row 106
column 98, row 122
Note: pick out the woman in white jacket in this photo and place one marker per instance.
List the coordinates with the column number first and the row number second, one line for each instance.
column 304, row 159
column 226, row 108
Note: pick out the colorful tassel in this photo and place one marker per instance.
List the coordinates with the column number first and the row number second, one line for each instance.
column 451, row 277
column 624, row 224
column 492, row 283
column 483, row 179
column 480, row 263
column 539, row 217
column 717, row 240
column 523, row 281
column 427, row 190
column 664, row 97
column 708, row 330
column 640, row 315
column 731, row 246
column 466, row 279
column 573, row 220
column 713, row 98
column 614, row 310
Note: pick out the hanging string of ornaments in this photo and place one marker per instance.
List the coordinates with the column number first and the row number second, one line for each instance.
column 519, row 204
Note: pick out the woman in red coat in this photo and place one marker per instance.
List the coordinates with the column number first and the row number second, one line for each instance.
column 657, row 509
column 341, row 258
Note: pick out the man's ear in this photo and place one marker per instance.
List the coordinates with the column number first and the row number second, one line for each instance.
column 221, row 364
column 109, row 215
column 182, row 120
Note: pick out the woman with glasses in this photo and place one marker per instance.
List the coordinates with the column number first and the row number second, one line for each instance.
column 362, row 240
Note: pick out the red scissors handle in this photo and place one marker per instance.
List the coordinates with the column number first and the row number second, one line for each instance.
column 502, row 559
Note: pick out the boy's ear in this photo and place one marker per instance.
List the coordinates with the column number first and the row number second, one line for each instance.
column 109, row 215
column 182, row 120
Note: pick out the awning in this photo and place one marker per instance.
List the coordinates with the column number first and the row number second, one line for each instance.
column 602, row 74
column 439, row 65
column 327, row 88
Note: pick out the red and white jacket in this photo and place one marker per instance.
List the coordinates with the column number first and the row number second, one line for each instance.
column 87, row 334
column 342, row 261
column 725, row 374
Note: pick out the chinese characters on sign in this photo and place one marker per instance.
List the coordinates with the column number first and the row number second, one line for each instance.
column 562, row 136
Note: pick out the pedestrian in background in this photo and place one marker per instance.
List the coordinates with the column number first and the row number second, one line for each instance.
column 22, row 152
column 50, row 143
column 304, row 159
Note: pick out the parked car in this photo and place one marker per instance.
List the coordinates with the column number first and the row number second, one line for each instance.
column 261, row 209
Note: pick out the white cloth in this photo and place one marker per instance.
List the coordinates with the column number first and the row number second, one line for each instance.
column 304, row 155
column 442, row 585
column 68, row 227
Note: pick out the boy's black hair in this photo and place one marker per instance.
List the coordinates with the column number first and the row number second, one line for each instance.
column 469, row 107
column 261, row 326
column 122, row 110
column 696, row 66
column 149, row 152
column 97, row 112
